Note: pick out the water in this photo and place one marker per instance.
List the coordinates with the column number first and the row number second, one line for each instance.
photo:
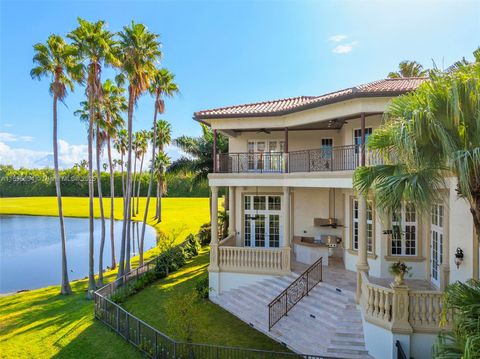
column 30, row 249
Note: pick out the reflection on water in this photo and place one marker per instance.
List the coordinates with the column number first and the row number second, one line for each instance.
column 30, row 249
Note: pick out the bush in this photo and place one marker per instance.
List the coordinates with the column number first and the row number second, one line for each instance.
column 202, row 287
column 205, row 234
column 191, row 247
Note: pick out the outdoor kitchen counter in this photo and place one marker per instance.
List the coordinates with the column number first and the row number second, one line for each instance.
column 308, row 252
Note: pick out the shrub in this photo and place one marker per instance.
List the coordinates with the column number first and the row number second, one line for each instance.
column 191, row 247
column 202, row 287
column 205, row 234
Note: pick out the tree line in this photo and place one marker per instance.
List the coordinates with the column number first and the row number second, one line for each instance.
column 74, row 183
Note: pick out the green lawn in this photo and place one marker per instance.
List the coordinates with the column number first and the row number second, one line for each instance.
column 42, row 324
column 213, row 324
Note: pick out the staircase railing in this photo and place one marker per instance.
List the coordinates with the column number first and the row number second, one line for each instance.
column 299, row 288
column 400, row 352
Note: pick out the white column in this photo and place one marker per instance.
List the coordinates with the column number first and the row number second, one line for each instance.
column 362, row 261
column 286, row 217
column 231, row 210
column 214, row 224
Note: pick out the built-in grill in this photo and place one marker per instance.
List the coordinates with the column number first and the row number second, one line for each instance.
column 330, row 240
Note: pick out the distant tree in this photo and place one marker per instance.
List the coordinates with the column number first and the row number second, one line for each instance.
column 408, row 69
column 58, row 60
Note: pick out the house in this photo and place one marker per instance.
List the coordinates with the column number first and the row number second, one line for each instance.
column 291, row 201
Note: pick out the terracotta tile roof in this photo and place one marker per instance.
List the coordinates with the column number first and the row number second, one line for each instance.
column 380, row 88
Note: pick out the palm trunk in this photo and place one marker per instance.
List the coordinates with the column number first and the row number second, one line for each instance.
column 139, row 182
column 112, row 203
column 133, row 185
column 150, row 182
column 126, row 212
column 123, row 179
column 91, row 270
column 157, row 197
column 65, row 287
column 160, row 195
column 102, row 214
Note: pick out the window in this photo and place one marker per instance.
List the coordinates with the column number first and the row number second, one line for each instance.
column 357, row 135
column 262, row 227
column 327, row 147
column 355, row 224
column 404, row 231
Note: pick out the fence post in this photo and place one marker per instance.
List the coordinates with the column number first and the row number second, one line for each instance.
column 138, row 332
column 118, row 320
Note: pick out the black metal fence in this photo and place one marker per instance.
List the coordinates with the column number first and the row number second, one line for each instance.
column 155, row 344
column 269, row 162
column 299, row 288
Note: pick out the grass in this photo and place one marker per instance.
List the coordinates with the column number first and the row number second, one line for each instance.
column 213, row 324
column 42, row 324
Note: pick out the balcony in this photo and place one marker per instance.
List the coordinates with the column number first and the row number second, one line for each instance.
column 341, row 158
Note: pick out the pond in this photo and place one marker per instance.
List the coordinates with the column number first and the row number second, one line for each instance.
column 30, row 249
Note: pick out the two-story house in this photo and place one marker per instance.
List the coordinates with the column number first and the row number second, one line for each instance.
column 291, row 201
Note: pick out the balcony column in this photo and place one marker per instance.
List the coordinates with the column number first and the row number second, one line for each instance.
column 214, row 225
column 362, row 143
column 285, row 150
column 215, row 167
column 231, row 210
column 362, row 259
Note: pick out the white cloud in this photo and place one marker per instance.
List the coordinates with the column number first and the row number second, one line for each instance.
column 8, row 125
column 10, row 137
column 337, row 38
column 68, row 155
column 344, row 48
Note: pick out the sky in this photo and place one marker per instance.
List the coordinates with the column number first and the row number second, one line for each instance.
column 223, row 53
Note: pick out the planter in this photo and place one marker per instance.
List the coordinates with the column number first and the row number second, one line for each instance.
column 399, row 278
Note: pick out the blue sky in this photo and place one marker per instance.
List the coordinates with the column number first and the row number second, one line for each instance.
column 224, row 53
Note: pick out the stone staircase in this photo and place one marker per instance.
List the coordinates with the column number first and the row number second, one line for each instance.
column 326, row 322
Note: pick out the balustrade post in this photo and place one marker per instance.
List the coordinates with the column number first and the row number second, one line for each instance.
column 400, row 310
column 362, row 261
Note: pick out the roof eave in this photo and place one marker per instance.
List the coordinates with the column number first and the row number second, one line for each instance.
column 199, row 117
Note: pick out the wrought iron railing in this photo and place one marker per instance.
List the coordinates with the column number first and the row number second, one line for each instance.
column 155, row 344
column 400, row 352
column 299, row 288
column 269, row 162
column 341, row 158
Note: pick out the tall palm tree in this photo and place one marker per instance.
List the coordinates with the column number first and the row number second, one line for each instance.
column 163, row 85
column 408, row 69
column 57, row 60
column 114, row 103
column 429, row 135
column 142, row 149
column 162, row 161
column 164, row 138
column 96, row 46
column 139, row 51
column 135, row 144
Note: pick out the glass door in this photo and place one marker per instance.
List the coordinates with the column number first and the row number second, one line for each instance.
column 436, row 244
column 262, row 221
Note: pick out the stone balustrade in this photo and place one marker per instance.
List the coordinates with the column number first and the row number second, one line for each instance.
column 254, row 260
column 402, row 310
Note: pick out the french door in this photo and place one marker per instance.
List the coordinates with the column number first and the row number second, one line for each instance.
column 436, row 243
column 262, row 221
column 265, row 155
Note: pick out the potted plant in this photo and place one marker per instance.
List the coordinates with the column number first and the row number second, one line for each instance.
column 398, row 270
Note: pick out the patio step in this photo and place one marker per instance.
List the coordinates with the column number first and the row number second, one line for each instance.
column 326, row 322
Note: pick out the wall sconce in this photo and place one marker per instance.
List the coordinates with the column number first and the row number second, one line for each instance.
column 458, row 256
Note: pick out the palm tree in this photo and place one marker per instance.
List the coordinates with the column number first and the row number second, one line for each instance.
column 57, row 60
column 142, row 149
column 140, row 50
column 164, row 138
column 408, row 69
column 200, row 151
column 120, row 144
column 162, row 161
column 114, row 103
column 96, row 46
column 429, row 135
column 162, row 85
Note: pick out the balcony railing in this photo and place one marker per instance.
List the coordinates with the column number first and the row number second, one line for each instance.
column 342, row 158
